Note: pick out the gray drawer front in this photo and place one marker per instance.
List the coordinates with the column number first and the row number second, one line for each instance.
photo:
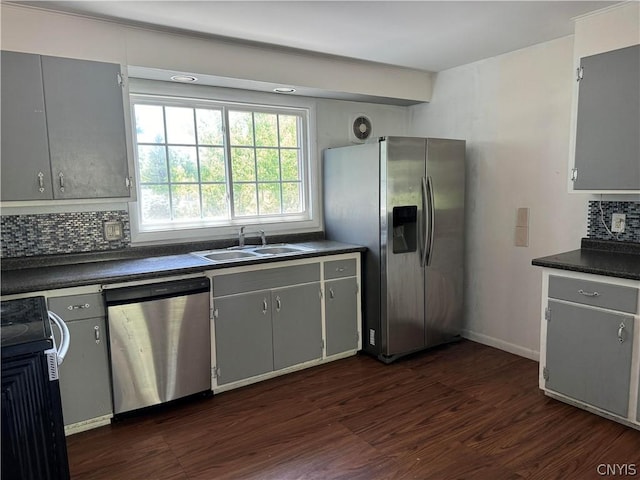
column 77, row 307
column 340, row 268
column 265, row 279
column 597, row 294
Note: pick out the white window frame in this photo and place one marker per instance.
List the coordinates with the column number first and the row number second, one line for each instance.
column 147, row 91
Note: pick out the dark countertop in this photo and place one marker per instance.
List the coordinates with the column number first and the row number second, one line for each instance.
column 35, row 274
column 601, row 257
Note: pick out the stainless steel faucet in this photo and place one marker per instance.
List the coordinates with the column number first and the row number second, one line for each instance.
column 241, row 235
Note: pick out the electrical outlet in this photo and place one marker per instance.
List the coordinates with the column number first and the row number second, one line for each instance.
column 113, row 230
column 617, row 222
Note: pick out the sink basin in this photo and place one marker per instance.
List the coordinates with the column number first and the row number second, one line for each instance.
column 278, row 249
column 227, row 255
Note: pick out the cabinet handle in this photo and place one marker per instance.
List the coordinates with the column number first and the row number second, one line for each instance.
column 331, row 293
column 96, row 333
column 61, row 177
column 278, row 304
column 621, row 333
column 265, row 306
column 78, row 307
column 588, row 294
column 41, row 182
column 340, row 269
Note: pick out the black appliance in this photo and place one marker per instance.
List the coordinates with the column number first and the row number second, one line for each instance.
column 33, row 442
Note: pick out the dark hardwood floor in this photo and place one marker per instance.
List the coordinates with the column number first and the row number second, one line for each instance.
column 464, row 411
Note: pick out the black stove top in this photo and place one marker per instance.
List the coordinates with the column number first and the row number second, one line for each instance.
column 23, row 321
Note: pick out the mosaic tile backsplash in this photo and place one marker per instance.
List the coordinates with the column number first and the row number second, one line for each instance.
column 57, row 233
column 595, row 228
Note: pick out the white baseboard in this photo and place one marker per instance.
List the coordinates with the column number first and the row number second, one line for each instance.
column 502, row 345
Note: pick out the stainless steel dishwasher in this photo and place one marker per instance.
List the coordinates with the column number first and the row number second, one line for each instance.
column 160, row 342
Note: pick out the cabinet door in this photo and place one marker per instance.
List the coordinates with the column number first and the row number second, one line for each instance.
column 607, row 140
column 243, row 336
column 26, row 174
column 85, row 384
column 297, row 325
column 586, row 359
column 85, row 119
column 341, row 315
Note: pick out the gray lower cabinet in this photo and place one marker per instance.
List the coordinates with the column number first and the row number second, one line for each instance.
column 85, row 383
column 63, row 129
column 341, row 315
column 266, row 320
column 588, row 355
column 243, row 334
column 607, row 153
column 297, row 325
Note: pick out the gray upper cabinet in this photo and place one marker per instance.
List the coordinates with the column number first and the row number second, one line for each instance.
column 65, row 119
column 26, row 174
column 607, row 151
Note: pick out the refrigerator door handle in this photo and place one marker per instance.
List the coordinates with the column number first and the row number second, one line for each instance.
column 431, row 221
column 425, row 230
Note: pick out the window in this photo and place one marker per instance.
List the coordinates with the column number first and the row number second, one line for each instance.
column 203, row 163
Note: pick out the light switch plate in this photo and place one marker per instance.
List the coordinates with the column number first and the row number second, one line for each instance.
column 522, row 236
column 113, row 230
column 523, row 217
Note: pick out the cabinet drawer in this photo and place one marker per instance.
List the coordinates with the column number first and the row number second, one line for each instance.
column 340, row 268
column 265, row 279
column 75, row 307
column 597, row 294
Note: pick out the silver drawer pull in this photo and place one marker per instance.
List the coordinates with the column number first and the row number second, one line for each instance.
column 331, row 293
column 588, row 294
column 78, row 307
column 340, row 269
column 61, row 177
column 265, row 306
column 96, row 332
column 621, row 333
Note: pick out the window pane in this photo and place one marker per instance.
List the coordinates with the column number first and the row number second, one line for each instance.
column 290, row 165
column 183, row 164
column 269, row 198
column 154, row 203
column 268, row 164
column 266, row 129
column 185, row 201
column 240, row 128
column 152, row 162
column 244, row 199
column 288, row 131
column 214, row 201
column 291, row 199
column 209, row 124
column 212, row 168
column 180, row 128
column 149, row 124
column 243, row 164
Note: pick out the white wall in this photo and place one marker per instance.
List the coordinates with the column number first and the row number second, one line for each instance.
column 514, row 111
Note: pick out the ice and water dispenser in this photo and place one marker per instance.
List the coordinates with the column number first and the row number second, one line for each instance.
column 405, row 229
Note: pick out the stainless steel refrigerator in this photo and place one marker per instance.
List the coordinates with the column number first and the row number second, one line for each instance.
column 402, row 198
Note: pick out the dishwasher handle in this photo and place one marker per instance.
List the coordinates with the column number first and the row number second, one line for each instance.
column 156, row 291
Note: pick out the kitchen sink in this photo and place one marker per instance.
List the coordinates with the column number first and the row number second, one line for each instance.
column 250, row 251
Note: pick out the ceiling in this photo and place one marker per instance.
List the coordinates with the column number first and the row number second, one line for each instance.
column 424, row 35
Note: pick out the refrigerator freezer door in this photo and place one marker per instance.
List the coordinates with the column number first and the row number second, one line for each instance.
column 402, row 162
